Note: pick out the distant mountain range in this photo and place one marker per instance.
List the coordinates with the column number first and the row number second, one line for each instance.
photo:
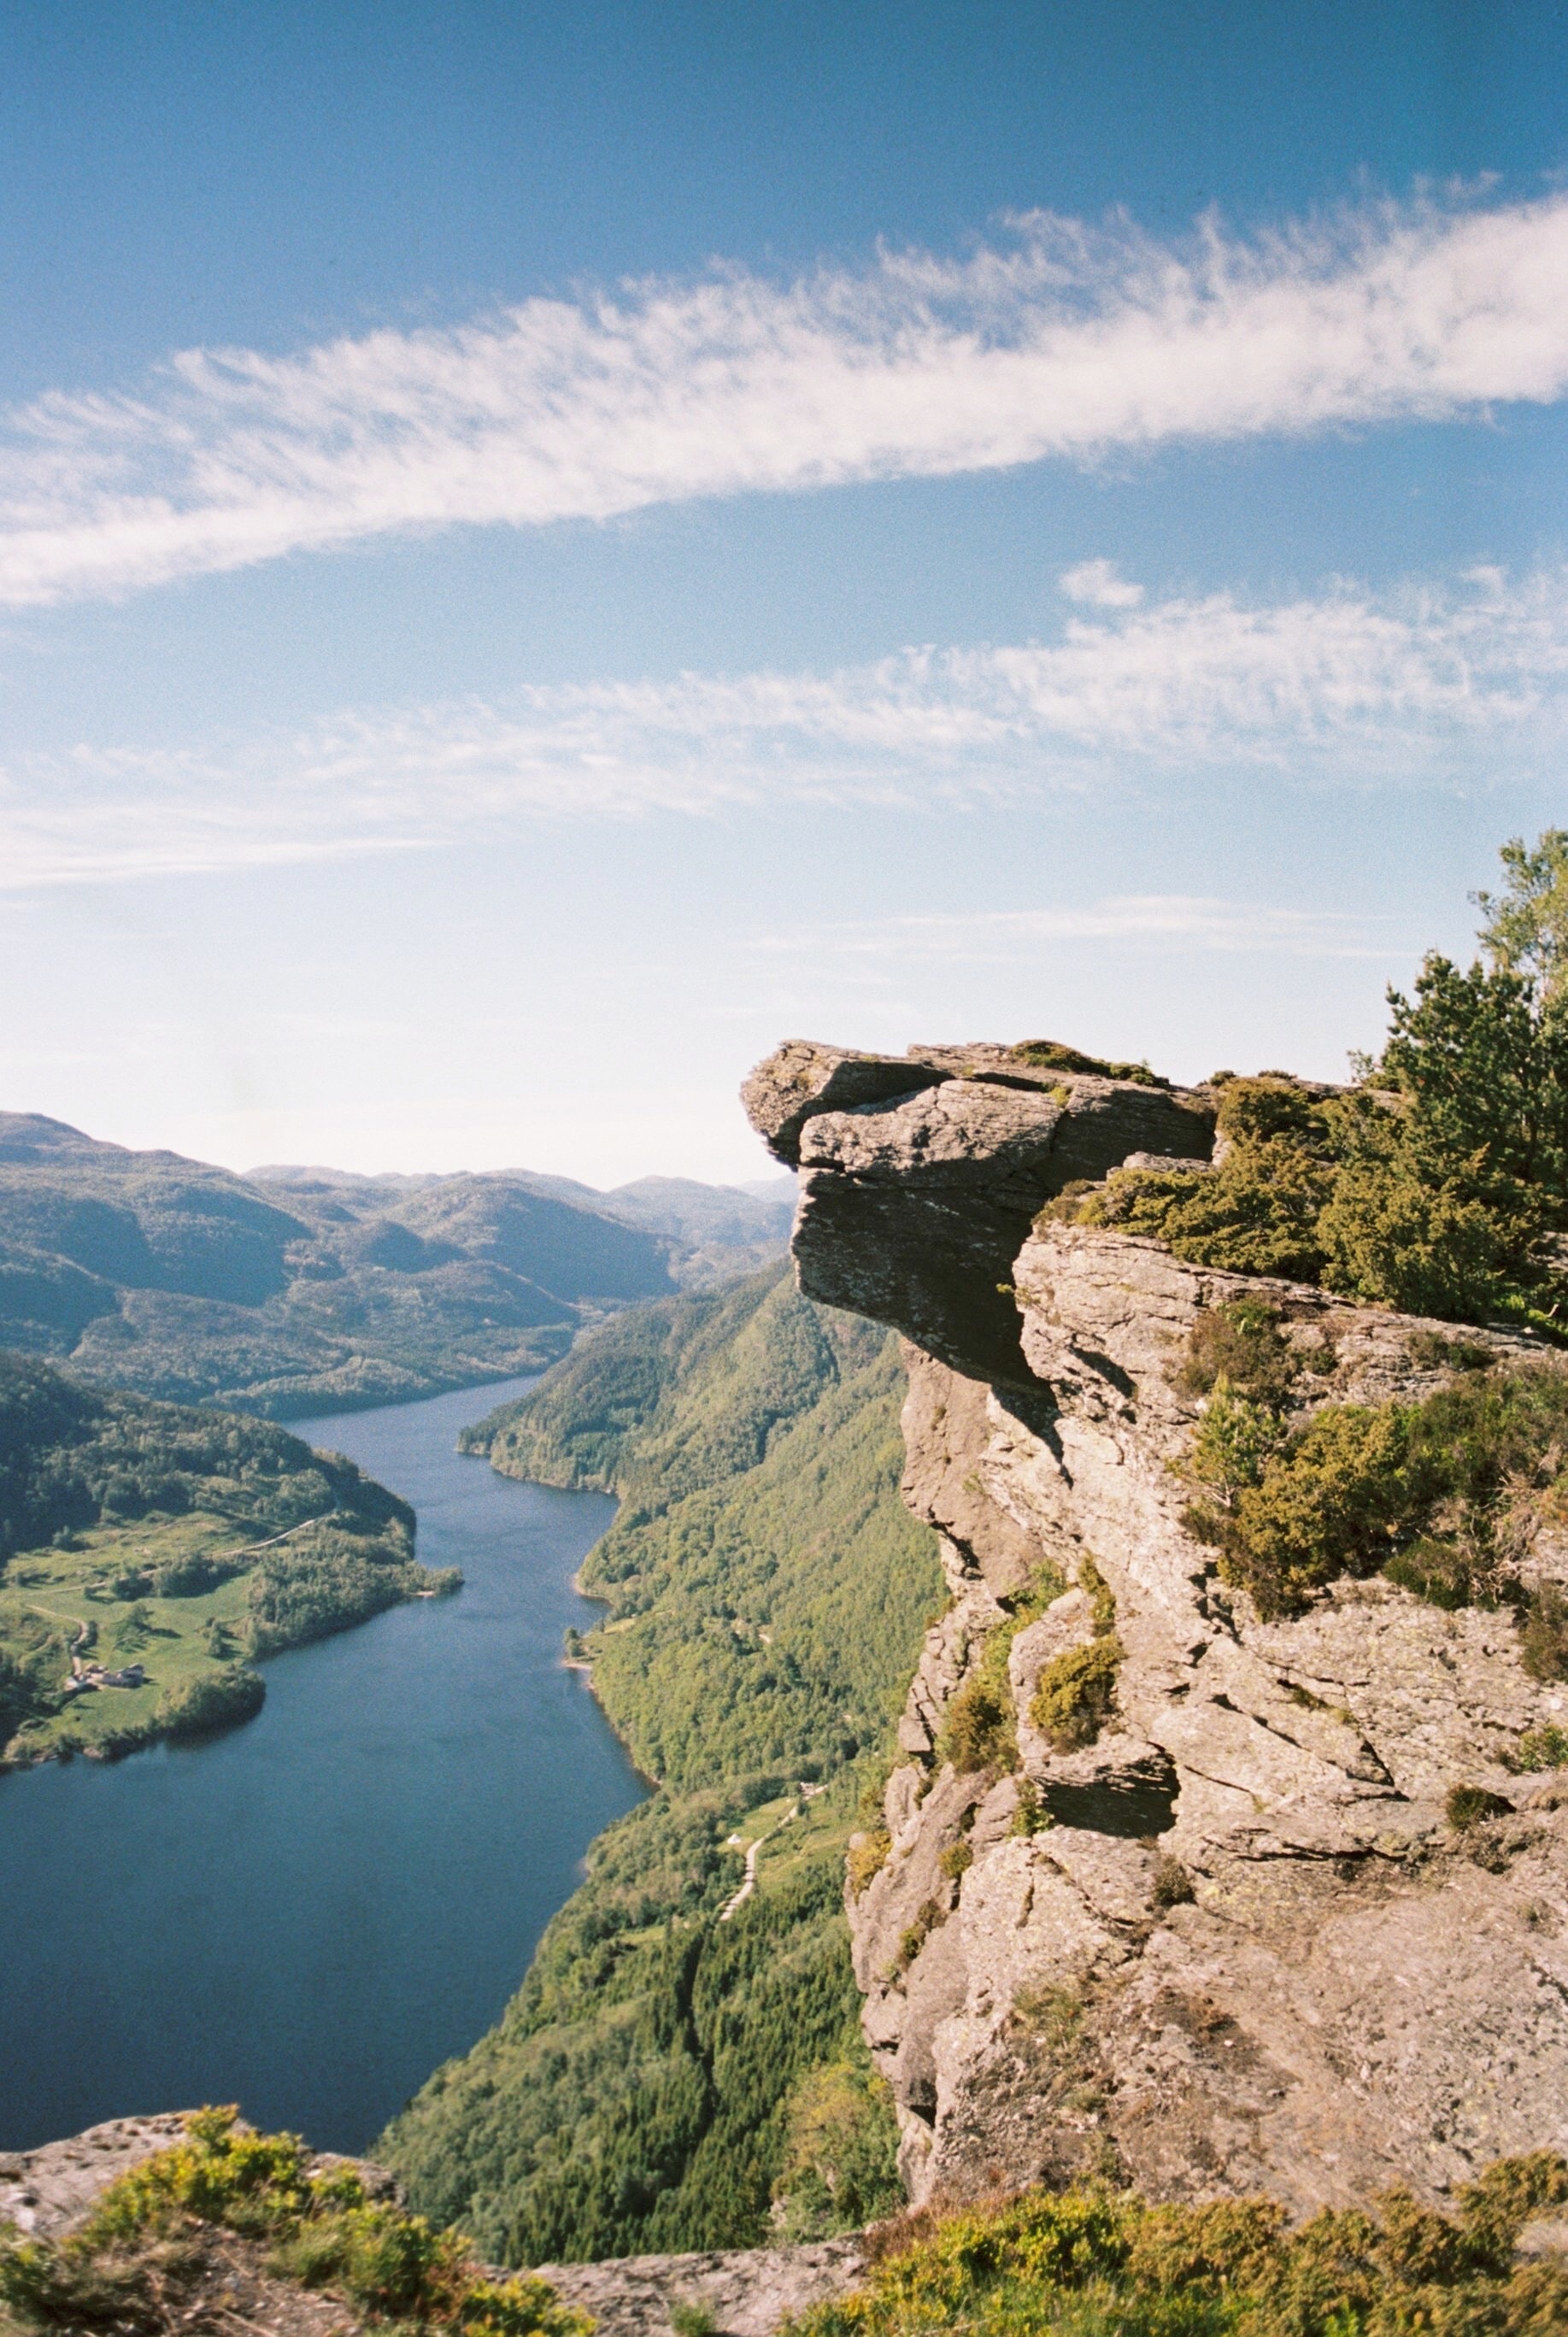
column 293, row 1290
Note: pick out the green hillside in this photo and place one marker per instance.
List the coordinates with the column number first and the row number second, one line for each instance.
column 166, row 1546
column 665, row 2080
column 296, row 1291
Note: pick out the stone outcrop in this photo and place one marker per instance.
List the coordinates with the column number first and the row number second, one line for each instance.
column 1234, row 1943
column 747, row 2292
column 47, row 2192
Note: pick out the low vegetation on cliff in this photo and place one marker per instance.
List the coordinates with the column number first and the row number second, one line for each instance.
column 1452, row 1496
column 1091, row 2264
column 670, row 2077
column 1438, row 1184
column 149, row 1551
column 157, row 2257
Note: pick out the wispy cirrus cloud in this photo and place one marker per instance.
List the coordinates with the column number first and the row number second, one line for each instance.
column 1435, row 684
column 1007, row 936
column 1061, row 339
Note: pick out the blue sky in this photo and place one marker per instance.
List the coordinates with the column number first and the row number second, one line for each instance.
column 544, row 549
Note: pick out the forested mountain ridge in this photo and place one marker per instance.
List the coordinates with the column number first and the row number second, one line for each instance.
column 668, row 2078
column 147, row 1549
column 292, row 1290
column 676, row 1395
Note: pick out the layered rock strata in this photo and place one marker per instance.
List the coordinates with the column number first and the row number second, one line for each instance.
column 1234, row 1943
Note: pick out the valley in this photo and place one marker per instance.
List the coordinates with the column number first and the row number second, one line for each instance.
column 310, row 1911
column 670, row 2077
column 1096, row 1654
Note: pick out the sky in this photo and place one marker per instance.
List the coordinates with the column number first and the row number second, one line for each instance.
column 546, row 549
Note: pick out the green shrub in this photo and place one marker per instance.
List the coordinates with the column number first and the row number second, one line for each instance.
column 1173, row 1883
column 1541, row 1748
column 693, row 2320
column 1468, row 1806
column 1236, row 1438
column 123, row 2293
column 1239, row 1344
column 1031, row 1816
column 930, row 1917
column 1440, row 1572
column 1089, row 2263
column 114, row 2273
column 1445, row 1495
column 1051, row 1055
column 1543, row 1641
column 1331, row 1503
column 1399, row 1231
column 979, row 1730
column 1077, row 1694
column 1257, row 1211
column 868, row 1855
column 1439, row 1184
column 1430, row 1350
column 1101, row 1597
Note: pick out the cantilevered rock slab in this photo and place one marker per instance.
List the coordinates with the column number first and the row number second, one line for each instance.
column 919, row 1185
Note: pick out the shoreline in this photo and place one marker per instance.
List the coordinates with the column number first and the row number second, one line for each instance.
column 113, row 1750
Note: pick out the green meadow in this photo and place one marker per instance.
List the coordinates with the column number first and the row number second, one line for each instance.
column 187, row 1543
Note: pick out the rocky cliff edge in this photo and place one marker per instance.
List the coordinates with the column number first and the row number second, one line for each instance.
column 1234, row 1943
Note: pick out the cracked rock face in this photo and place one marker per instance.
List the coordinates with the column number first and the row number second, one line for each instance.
column 1232, row 1943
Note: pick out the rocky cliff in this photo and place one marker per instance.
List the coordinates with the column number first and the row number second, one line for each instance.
column 1235, row 1940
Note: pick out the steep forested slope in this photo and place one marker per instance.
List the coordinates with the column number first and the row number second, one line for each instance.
column 295, row 1290
column 664, row 2072
column 164, row 1545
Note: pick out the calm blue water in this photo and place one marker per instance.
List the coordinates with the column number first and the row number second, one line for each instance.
column 306, row 1915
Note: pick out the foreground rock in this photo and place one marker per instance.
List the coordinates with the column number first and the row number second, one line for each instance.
column 50, row 2192
column 47, row 2192
column 1234, row 1944
column 748, row 2292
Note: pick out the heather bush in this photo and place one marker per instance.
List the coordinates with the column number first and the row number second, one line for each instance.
column 1093, row 2264
column 322, row 2231
column 1077, row 1694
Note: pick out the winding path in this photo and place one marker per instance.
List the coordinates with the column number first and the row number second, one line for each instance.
column 749, row 1884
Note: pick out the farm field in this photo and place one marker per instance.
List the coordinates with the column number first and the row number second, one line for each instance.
column 149, row 1553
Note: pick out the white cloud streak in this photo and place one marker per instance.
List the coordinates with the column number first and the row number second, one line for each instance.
column 1008, row 936
column 1099, row 585
column 1063, row 340
column 1434, row 685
